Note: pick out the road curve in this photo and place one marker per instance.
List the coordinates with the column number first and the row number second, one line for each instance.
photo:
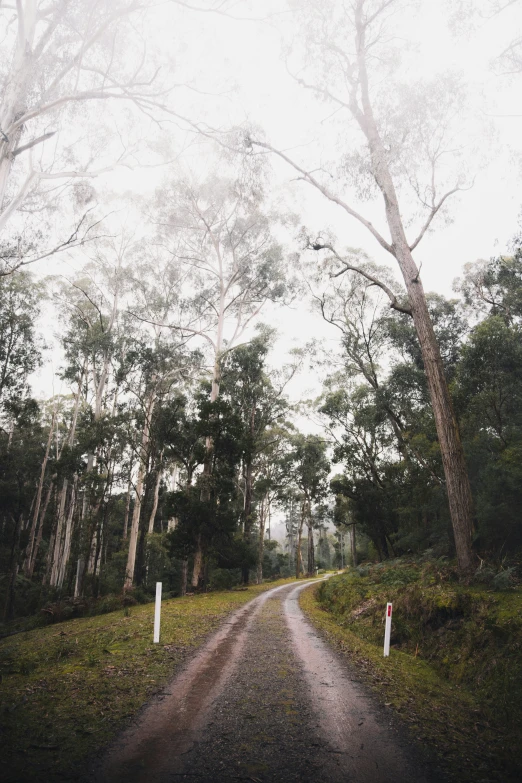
column 266, row 700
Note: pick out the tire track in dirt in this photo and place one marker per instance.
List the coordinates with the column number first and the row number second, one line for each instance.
column 266, row 700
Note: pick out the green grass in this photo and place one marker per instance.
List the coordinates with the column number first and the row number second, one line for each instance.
column 68, row 688
column 455, row 670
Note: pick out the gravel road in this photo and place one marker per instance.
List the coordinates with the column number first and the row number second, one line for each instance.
column 266, row 699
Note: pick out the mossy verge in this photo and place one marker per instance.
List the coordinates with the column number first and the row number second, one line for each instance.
column 470, row 635
column 444, row 715
column 67, row 689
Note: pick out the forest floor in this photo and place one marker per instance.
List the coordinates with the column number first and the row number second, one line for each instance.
column 454, row 675
column 68, row 688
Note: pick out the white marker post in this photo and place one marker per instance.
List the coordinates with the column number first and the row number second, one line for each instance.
column 387, row 630
column 157, row 613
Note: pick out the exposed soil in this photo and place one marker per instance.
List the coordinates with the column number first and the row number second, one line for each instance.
column 265, row 700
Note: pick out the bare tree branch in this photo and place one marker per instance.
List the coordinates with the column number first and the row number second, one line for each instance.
column 431, row 216
column 74, row 240
column 394, row 303
column 195, row 332
column 33, row 143
column 308, row 177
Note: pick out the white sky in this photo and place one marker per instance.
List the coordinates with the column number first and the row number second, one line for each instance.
column 239, row 62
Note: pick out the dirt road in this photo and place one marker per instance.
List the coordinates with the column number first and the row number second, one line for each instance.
column 265, row 700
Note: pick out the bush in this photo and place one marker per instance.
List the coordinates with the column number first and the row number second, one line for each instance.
column 108, row 604
column 224, row 578
column 399, row 577
column 504, row 579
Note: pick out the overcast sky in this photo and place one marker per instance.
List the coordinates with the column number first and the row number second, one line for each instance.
column 239, row 65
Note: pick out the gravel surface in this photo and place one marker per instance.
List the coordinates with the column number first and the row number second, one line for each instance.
column 266, row 700
column 263, row 725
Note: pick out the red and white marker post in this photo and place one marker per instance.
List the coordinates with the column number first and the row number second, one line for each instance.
column 157, row 613
column 387, row 630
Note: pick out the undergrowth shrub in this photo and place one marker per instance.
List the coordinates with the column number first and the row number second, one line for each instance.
column 471, row 634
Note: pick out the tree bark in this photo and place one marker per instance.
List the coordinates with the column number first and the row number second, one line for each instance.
column 352, row 545
column 298, row 554
column 68, row 535
column 36, row 513
column 133, row 542
column 198, row 563
column 311, row 549
column 247, row 516
column 184, row 576
column 38, row 541
column 156, row 496
column 55, row 552
column 261, row 542
column 127, row 510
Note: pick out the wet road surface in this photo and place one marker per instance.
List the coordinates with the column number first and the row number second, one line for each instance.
column 266, row 699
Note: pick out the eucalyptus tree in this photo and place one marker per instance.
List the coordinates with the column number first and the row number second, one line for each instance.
column 380, row 420
column 271, row 482
column 22, row 452
column 20, row 347
column 364, row 443
column 63, row 61
column 24, row 443
column 494, row 287
column 90, row 308
column 218, row 232
column 402, row 137
column 488, row 383
column 369, row 334
column 308, row 467
column 259, row 400
column 209, row 511
column 185, row 447
column 150, row 376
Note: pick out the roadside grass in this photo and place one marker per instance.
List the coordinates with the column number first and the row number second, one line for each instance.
column 454, row 671
column 67, row 689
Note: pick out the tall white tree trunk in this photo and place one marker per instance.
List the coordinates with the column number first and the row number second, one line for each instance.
column 156, row 496
column 39, row 533
column 299, row 568
column 311, row 547
column 36, row 511
column 261, row 540
column 127, row 509
column 64, row 560
column 58, row 539
column 142, row 467
column 353, row 545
